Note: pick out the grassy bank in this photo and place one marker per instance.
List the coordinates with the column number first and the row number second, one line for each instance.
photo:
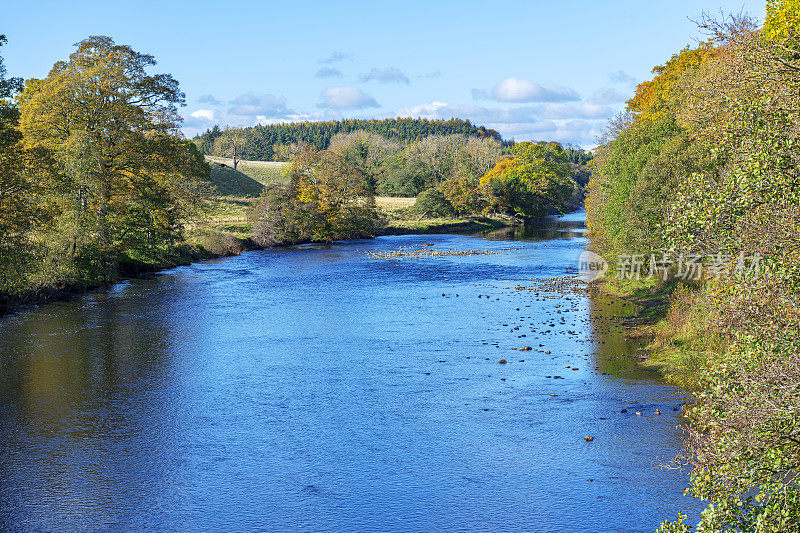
column 670, row 318
column 224, row 230
column 200, row 244
column 444, row 225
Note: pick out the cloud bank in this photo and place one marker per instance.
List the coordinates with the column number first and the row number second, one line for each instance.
column 516, row 90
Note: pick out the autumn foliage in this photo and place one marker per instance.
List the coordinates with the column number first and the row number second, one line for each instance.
column 705, row 161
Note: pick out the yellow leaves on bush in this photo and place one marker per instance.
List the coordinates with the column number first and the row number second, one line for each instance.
column 783, row 20
column 339, row 205
column 535, row 182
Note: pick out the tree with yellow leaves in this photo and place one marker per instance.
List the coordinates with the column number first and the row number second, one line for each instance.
column 535, row 182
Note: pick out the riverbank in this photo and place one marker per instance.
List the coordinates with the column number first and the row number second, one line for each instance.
column 202, row 245
column 676, row 343
column 433, row 226
column 222, row 237
column 317, row 367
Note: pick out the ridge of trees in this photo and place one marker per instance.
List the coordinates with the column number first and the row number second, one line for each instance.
column 278, row 142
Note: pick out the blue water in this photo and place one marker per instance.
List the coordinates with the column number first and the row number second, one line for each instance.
column 315, row 389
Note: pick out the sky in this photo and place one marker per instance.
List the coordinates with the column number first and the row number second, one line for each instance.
column 532, row 70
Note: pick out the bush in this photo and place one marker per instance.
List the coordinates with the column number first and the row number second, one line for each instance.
column 432, row 203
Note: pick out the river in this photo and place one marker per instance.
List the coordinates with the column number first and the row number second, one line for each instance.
column 314, row 388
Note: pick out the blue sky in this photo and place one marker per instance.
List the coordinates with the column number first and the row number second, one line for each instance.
column 532, row 70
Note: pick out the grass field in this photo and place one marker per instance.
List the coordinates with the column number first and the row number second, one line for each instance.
column 264, row 172
column 390, row 203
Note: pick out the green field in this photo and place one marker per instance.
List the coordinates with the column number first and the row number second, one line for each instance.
column 264, row 172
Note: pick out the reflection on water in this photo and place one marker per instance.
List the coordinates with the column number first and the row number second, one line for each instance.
column 313, row 388
column 565, row 227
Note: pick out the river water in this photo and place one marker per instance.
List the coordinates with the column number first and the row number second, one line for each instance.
column 314, row 388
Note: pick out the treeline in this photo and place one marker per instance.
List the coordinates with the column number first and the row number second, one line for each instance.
column 698, row 183
column 330, row 194
column 95, row 176
column 278, row 142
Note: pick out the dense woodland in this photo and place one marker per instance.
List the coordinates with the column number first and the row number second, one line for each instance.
column 704, row 165
column 279, row 142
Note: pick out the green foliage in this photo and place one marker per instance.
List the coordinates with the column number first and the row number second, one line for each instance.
column 369, row 153
column 706, row 163
column 325, row 200
column 436, row 159
column 93, row 171
column 783, row 21
column 432, row 203
column 17, row 206
column 535, row 182
column 577, row 156
column 264, row 143
column 464, row 195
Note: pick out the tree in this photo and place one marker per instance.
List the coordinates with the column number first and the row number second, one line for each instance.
column 534, row 182
column 16, row 205
column 325, row 201
column 369, row 153
column 437, row 154
column 464, row 195
column 128, row 180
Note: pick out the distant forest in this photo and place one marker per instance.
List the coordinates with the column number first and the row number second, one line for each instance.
column 274, row 142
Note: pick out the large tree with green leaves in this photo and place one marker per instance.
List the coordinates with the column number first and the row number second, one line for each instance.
column 127, row 178
column 16, row 205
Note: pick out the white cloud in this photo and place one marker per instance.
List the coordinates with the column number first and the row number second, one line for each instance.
column 346, row 98
column 569, row 111
column 267, row 105
column 385, row 75
column 525, row 91
column 203, row 114
column 246, row 110
column 577, row 124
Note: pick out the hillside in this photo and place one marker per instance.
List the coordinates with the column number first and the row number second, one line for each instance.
column 229, row 182
column 264, row 172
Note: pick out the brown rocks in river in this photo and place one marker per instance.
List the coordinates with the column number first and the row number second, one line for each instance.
column 588, row 439
column 502, row 361
column 526, row 348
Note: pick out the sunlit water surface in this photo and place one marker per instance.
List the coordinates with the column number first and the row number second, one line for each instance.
column 313, row 388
